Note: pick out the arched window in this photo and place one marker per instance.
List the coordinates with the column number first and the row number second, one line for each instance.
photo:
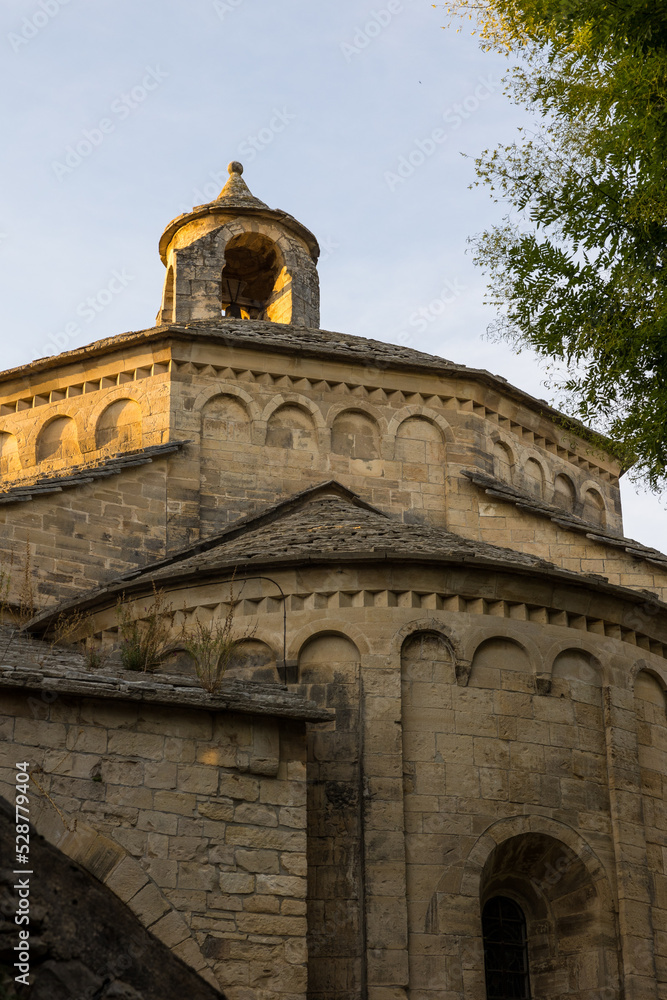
column 253, row 279
column 356, row 435
column 594, row 509
column 534, row 478
column 502, row 462
column 505, row 950
column 564, row 492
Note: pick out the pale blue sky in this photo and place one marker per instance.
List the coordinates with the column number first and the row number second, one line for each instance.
column 323, row 103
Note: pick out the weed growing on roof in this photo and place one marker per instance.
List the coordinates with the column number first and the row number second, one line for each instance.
column 211, row 646
column 146, row 641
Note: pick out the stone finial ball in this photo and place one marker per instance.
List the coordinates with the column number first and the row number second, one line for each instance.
column 235, row 167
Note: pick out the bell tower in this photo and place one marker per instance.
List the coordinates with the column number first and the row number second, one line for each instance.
column 235, row 258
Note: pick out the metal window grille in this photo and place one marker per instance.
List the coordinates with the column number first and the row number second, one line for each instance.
column 505, row 950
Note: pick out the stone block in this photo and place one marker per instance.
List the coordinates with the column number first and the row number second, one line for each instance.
column 293, row 907
column 256, row 813
column 145, row 745
column 127, row 879
column 261, row 861
column 262, row 904
column 122, row 772
column 181, row 803
column 157, row 822
column 187, row 848
column 163, row 873
column 237, row 882
column 202, row 780
column 188, row 951
column 281, row 840
column 280, row 793
column 86, row 739
column 131, row 796
column 33, row 732
column 239, row 786
column 219, row 810
column 134, row 841
column 162, row 774
column 387, row 968
column 267, row 924
column 194, row 875
column 282, row 885
column 171, row 929
column 295, row 818
column 294, row 863
column 149, row 904
column 180, row 751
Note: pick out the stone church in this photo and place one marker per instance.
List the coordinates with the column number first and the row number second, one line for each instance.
column 436, row 768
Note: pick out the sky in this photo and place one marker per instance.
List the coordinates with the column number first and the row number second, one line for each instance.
column 361, row 119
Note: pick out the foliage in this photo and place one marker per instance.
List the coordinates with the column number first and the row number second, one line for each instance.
column 578, row 266
column 71, row 627
column 27, row 593
column 512, row 25
column 77, row 628
column 5, row 584
column 146, row 641
column 211, row 646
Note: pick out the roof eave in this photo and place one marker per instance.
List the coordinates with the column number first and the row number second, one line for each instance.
column 431, row 366
column 241, row 570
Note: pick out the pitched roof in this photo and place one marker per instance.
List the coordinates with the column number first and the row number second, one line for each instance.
column 499, row 490
column 80, row 475
column 324, row 524
column 321, row 524
column 333, row 527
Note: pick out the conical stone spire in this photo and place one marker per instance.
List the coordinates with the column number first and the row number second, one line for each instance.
column 236, row 258
column 236, row 193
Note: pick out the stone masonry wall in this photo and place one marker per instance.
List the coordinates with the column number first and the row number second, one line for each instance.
column 60, row 423
column 651, row 713
column 78, row 539
column 484, row 742
column 258, row 437
column 207, row 810
column 265, row 426
column 281, row 424
column 486, row 738
column 70, row 415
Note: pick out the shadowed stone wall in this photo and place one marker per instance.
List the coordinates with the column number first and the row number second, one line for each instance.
column 194, row 818
column 85, row 944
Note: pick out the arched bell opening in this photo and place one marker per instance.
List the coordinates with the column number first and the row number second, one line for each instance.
column 253, row 279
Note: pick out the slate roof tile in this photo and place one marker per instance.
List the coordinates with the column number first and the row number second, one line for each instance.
column 499, row 490
column 83, row 474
